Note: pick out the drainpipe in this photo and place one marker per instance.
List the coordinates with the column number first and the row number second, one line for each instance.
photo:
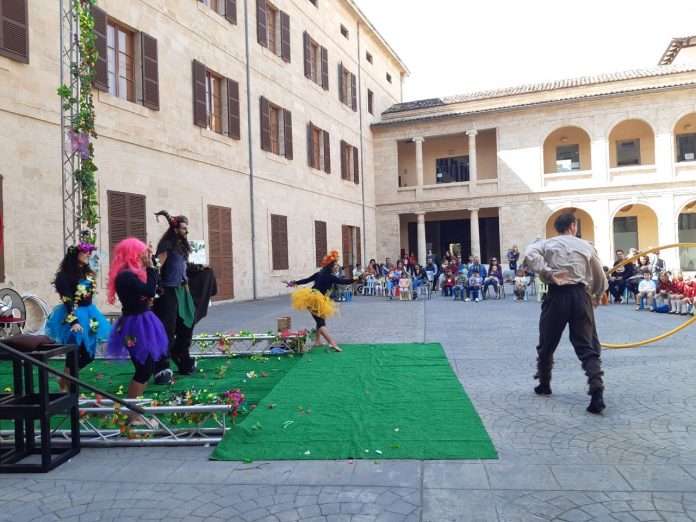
column 251, row 150
column 362, row 148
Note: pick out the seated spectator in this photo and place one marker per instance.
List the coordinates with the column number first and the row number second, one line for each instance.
column 677, row 295
column 386, row 267
column 461, row 284
column 494, row 278
column 448, row 284
column 475, row 284
column 476, row 266
column 520, row 285
column 689, row 292
column 664, row 288
column 619, row 278
column 358, row 271
column 443, row 273
column 642, row 265
column 431, row 272
column 393, row 278
column 412, row 263
column 419, row 279
column 404, row 286
column 647, row 289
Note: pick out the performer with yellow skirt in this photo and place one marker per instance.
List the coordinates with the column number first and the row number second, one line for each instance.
column 315, row 299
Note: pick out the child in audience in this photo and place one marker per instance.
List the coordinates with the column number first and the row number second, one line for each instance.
column 441, row 277
column 404, row 287
column 460, row 285
column 475, row 283
column 448, row 284
column 647, row 289
column 520, row 288
column 689, row 296
column 664, row 288
column 677, row 293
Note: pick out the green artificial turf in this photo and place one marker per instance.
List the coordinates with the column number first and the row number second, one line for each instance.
column 375, row 401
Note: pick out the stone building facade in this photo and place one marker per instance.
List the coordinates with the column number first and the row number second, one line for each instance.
column 240, row 93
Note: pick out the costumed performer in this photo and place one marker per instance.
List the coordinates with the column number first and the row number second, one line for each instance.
column 138, row 333
column 315, row 299
column 77, row 321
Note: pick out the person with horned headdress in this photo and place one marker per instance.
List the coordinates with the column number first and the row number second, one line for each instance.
column 316, row 300
column 77, row 320
column 175, row 305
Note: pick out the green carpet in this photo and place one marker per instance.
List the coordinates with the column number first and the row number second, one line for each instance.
column 379, row 401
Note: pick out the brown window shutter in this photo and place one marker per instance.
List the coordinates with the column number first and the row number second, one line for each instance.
column 307, row 44
column 320, row 245
column 347, row 243
column 233, row 125
column 341, row 95
column 327, row 153
column 353, row 92
column 118, row 219
column 136, row 216
column 287, row 122
column 310, row 145
column 356, row 166
column 343, row 160
column 325, row 68
column 200, row 116
column 2, row 237
column 265, row 124
column 220, row 254
column 358, row 247
column 279, row 242
column 262, row 22
column 231, row 11
column 14, row 31
column 285, row 36
column 101, row 68
column 150, row 72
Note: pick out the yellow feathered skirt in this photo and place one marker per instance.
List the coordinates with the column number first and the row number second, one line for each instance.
column 314, row 301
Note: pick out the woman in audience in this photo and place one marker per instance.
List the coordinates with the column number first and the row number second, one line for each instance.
column 513, row 256
column 419, row 279
column 642, row 265
column 494, row 278
column 393, row 278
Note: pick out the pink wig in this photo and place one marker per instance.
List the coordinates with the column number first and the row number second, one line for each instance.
column 126, row 257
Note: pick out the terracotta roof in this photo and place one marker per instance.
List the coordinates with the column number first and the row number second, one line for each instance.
column 674, row 47
column 541, row 87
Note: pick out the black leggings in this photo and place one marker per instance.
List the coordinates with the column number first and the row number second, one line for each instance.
column 143, row 372
column 83, row 357
column 319, row 320
column 180, row 336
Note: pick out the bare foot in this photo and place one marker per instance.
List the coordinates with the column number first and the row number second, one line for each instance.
column 335, row 348
column 140, row 421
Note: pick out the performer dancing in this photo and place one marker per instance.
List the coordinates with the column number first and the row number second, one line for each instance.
column 315, row 299
column 78, row 321
column 571, row 268
column 174, row 307
column 138, row 332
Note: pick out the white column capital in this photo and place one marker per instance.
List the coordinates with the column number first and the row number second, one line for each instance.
column 418, row 139
column 472, row 210
column 420, row 213
column 472, row 132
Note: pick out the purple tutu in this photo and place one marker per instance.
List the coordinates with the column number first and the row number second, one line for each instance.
column 138, row 336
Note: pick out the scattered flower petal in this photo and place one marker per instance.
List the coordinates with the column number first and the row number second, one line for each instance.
column 378, row 451
column 307, row 452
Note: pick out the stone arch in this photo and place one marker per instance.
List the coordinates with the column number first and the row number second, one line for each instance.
column 634, row 225
column 686, row 233
column 567, row 149
column 685, row 138
column 624, row 150
column 585, row 223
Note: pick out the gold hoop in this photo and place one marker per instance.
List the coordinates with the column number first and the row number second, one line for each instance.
column 664, row 335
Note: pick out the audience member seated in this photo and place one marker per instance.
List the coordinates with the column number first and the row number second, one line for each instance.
column 386, row 267
column 432, row 268
column 494, row 278
column 642, row 265
column 619, row 279
column 358, row 271
column 664, row 288
column 419, row 279
column 448, row 284
column 404, row 286
column 646, row 289
column 476, row 266
column 689, row 296
column 658, row 265
column 475, row 284
column 393, row 278
column 443, row 274
column 677, row 295
column 520, row 283
column 461, row 284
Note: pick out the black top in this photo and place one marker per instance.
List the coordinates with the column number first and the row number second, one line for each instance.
column 67, row 287
column 133, row 293
column 625, row 272
column 173, row 271
column 324, row 280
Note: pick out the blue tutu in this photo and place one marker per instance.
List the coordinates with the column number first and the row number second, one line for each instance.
column 138, row 336
column 58, row 329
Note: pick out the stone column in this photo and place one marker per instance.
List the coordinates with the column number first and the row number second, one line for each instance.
column 473, row 173
column 475, row 240
column 419, row 166
column 422, row 251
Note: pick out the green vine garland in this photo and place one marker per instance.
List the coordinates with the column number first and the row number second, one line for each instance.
column 83, row 131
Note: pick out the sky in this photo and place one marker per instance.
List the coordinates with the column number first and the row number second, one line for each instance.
column 459, row 46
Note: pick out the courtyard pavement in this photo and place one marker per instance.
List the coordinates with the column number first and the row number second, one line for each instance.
column 637, row 461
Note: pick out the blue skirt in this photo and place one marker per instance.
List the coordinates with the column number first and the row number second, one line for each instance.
column 138, row 336
column 58, row 329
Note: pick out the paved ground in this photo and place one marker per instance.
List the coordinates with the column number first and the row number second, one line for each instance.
column 557, row 462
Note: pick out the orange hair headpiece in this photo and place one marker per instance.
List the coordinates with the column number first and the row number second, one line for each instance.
column 330, row 257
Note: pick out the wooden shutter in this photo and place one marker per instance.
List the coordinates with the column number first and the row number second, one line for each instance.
column 101, row 68
column 356, row 166
column 327, row 153
column 307, row 44
column 343, row 160
column 14, row 31
column 285, row 36
column 325, row 68
column 347, row 237
column 126, row 217
column 233, row 124
column 340, row 83
column 354, row 92
column 279, row 242
column 358, row 246
column 200, row 116
column 150, row 71
column 310, row 144
column 135, row 204
column 231, row 11
column 262, row 22
column 320, row 244
column 265, row 124
column 2, row 236
column 287, row 123
column 220, row 251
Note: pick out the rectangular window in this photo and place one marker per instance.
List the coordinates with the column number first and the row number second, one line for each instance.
column 318, row 148
column 317, row 145
column 225, row 8
column 347, row 87
column 315, row 57
column 350, row 167
column 213, row 98
column 389, row 79
column 316, row 62
column 567, row 158
column 275, row 129
column 126, row 217
column 344, row 31
column 121, row 61
column 14, row 30
column 627, row 152
column 320, row 241
column 625, row 233
column 368, row 56
column 279, row 242
column 352, row 248
column 213, row 4
column 273, row 31
column 370, row 102
column 452, row 170
column 686, row 147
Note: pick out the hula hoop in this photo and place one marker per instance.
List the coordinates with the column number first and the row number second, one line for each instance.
column 664, row 335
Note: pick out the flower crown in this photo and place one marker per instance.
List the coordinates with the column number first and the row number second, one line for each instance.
column 83, row 246
column 330, row 258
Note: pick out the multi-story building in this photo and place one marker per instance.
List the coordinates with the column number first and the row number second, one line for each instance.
column 487, row 170
column 250, row 117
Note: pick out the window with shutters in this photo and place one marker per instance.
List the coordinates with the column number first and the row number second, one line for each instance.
column 279, row 242
column 2, row 237
column 320, row 242
column 352, row 248
column 273, row 29
column 319, row 152
column 121, row 61
column 347, row 87
column 316, row 62
column 14, row 30
column 220, row 255
column 213, row 101
column 317, row 146
column 276, row 129
column 350, row 168
column 225, row 8
column 126, row 217
column 370, row 102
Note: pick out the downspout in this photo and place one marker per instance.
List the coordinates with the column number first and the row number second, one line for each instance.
column 251, row 150
column 362, row 148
